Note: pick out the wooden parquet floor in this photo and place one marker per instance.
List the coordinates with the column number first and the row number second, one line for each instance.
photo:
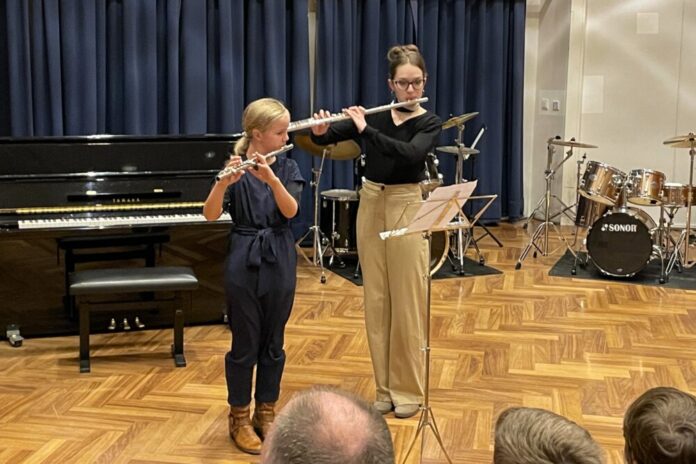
column 582, row 348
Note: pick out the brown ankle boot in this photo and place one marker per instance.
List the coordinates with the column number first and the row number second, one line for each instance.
column 241, row 430
column 263, row 418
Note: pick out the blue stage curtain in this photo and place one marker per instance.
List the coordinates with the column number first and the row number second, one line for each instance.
column 474, row 50
column 147, row 67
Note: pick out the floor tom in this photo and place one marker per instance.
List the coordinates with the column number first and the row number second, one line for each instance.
column 339, row 211
column 588, row 212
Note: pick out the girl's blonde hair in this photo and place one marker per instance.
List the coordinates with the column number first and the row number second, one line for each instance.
column 259, row 114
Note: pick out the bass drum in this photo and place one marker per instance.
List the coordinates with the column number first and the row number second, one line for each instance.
column 439, row 247
column 620, row 243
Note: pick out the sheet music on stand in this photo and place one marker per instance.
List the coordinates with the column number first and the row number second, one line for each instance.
column 432, row 216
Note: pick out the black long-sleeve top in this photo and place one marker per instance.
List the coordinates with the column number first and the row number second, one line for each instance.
column 393, row 154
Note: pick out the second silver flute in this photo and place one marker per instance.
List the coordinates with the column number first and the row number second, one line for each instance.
column 311, row 122
column 251, row 163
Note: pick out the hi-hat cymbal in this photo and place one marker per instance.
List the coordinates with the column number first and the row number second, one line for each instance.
column 570, row 143
column 458, row 120
column 456, row 150
column 682, row 141
column 345, row 150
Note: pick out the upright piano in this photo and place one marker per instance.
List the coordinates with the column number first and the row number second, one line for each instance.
column 111, row 197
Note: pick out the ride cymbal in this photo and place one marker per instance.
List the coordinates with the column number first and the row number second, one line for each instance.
column 682, row 141
column 345, row 150
column 570, row 143
column 458, row 120
column 456, row 150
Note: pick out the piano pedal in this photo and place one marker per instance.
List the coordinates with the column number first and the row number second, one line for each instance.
column 125, row 324
column 112, row 324
column 138, row 324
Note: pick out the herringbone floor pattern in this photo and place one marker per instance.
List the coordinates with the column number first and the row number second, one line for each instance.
column 581, row 348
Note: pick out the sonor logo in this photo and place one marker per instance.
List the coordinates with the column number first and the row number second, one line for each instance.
column 619, row 228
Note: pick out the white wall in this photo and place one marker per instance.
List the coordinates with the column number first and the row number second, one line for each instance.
column 630, row 84
column 546, row 69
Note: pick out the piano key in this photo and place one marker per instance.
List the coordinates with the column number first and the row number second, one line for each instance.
column 117, row 221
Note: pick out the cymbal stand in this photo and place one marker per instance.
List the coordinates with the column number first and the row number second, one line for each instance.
column 358, row 168
column 685, row 234
column 487, row 231
column 464, row 237
column 676, row 257
column 542, row 231
column 583, row 262
column 320, row 242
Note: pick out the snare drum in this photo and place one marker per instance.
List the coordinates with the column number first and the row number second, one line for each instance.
column 339, row 210
column 645, row 187
column 601, row 183
column 677, row 195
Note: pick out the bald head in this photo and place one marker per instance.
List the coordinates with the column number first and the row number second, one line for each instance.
column 325, row 425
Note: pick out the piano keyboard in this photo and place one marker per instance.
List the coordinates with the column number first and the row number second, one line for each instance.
column 114, row 221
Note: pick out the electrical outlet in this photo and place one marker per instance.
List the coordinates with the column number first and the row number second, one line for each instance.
column 556, row 105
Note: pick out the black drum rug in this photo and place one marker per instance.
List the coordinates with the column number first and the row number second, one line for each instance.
column 650, row 275
column 471, row 268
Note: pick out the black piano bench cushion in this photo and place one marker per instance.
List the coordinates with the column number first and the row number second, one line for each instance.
column 136, row 279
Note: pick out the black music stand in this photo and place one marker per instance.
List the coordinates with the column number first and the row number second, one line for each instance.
column 435, row 214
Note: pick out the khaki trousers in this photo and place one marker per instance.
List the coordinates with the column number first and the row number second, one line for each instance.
column 394, row 284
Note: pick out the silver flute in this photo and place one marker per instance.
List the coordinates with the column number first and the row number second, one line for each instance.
column 251, row 163
column 311, row 122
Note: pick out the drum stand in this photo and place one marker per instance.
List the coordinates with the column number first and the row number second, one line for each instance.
column 542, row 231
column 465, row 237
column 676, row 257
column 684, row 236
column 320, row 242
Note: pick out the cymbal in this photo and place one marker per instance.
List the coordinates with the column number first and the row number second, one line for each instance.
column 682, row 141
column 455, row 150
column 457, row 120
column 570, row 143
column 345, row 150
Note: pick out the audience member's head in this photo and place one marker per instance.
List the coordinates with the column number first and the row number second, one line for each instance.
column 537, row 436
column 328, row 426
column 660, row 428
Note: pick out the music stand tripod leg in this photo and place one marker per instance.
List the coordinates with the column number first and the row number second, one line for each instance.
column 426, row 411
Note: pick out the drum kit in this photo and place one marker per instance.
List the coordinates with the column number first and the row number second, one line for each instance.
column 339, row 207
column 335, row 210
column 455, row 246
column 621, row 239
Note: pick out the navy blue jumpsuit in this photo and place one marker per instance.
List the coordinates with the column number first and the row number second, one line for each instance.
column 260, row 278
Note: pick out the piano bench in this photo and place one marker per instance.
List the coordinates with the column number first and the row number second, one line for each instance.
column 90, row 288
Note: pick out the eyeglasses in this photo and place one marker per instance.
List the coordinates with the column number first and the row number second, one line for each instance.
column 403, row 84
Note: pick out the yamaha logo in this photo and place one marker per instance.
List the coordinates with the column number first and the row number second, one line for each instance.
column 619, row 228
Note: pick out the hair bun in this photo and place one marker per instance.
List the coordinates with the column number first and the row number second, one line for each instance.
column 399, row 52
